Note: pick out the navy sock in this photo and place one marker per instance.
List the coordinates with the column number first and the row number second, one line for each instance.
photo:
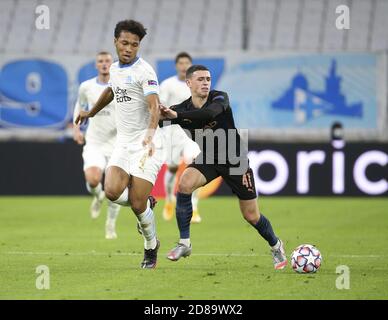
column 184, row 212
column 263, row 226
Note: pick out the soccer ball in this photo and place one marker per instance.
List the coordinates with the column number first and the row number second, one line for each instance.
column 306, row 259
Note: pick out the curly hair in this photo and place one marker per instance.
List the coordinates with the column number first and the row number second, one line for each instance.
column 131, row 26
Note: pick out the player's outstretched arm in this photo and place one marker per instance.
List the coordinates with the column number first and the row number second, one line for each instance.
column 203, row 114
column 82, row 100
column 199, row 117
column 105, row 98
column 196, row 118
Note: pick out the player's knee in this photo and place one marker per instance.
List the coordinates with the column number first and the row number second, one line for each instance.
column 111, row 193
column 93, row 176
column 138, row 205
column 93, row 181
column 185, row 186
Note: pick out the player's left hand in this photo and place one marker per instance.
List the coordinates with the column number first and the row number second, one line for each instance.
column 167, row 113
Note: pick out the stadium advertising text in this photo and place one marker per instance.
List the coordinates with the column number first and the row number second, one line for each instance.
column 320, row 169
column 286, row 169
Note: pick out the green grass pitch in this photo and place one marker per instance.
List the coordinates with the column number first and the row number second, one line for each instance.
column 229, row 260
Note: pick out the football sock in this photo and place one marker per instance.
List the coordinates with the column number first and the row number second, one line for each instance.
column 123, row 199
column 94, row 191
column 263, row 226
column 186, row 242
column 147, row 224
column 169, row 184
column 194, row 199
column 276, row 246
column 184, row 212
column 113, row 212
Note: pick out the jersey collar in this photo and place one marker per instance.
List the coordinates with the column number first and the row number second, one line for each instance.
column 101, row 83
column 129, row 64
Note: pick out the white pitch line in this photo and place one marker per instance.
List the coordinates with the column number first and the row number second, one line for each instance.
column 358, row 256
column 92, row 253
column 119, row 254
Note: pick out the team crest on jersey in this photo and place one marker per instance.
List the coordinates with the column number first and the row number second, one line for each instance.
column 152, row 83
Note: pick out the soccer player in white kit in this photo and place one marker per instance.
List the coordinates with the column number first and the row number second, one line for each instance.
column 100, row 137
column 137, row 156
column 177, row 145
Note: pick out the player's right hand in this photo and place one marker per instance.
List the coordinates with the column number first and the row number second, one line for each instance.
column 147, row 143
column 82, row 117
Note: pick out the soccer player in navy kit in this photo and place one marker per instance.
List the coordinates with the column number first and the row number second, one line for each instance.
column 210, row 110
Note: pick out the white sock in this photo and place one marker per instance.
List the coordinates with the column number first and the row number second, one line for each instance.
column 123, row 199
column 169, row 184
column 194, row 199
column 276, row 246
column 94, row 191
column 113, row 212
column 186, row 242
column 147, row 224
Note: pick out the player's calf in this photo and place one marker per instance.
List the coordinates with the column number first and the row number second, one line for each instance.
column 95, row 207
column 264, row 227
column 98, row 197
column 146, row 221
column 110, row 224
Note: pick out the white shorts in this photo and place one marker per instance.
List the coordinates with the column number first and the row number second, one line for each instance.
column 95, row 155
column 128, row 157
column 187, row 152
column 178, row 146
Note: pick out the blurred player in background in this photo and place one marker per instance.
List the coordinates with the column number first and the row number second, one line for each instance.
column 99, row 140
column 177, row 145
column 137, row 156
column 210, row 110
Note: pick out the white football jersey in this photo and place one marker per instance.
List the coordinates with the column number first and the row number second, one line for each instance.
column 131, row 83
column 101, row 128
column 173, row 91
